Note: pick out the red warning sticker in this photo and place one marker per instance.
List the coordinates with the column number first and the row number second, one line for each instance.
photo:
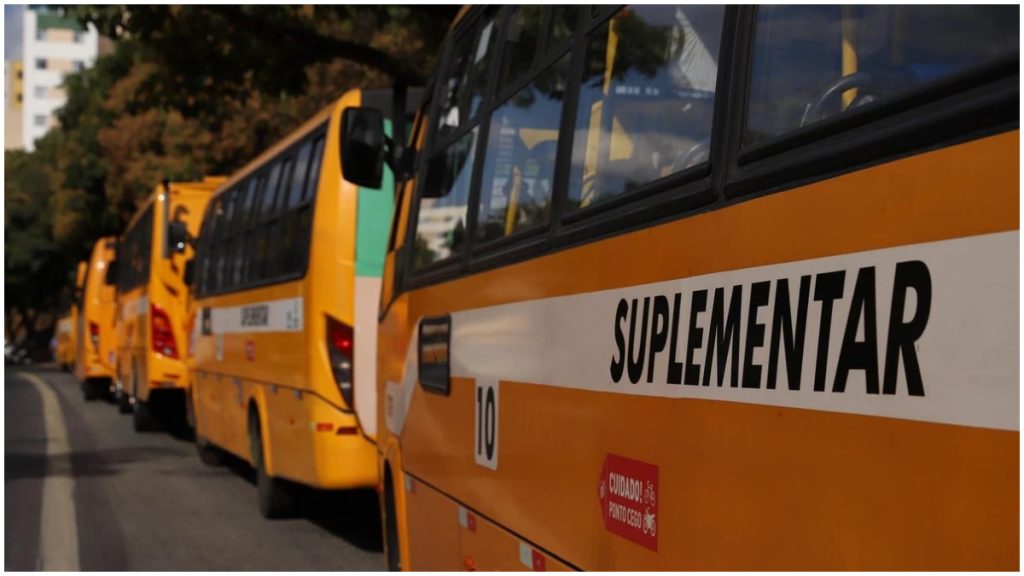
column 628, row 490
column 250, row 350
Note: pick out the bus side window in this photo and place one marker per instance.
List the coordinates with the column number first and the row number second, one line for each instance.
column 291, row 237
column 211, row 246
column 462, row 91
column 521, row 42
column 261, row 268
column 304, row 212
column 444, row 193
column 277, row 242
column 202, row 250
column 316, row 161
column 519, row 166
column 224, row 237
column 441, row 224
column 646, row 100
column 815, row 62
column 255, row 233
column 240, row 232
column 146, row 245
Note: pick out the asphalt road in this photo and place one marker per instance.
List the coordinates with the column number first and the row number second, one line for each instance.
column 146, row 502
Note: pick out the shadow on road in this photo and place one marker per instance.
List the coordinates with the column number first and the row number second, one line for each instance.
column 21, row 465
column 352, row 515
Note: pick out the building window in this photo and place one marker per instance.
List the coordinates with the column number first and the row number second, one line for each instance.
column 41, row 34
column 40, row 63
column 80, row 36
column 41, row 91
column 40, row 120
column 78, row 65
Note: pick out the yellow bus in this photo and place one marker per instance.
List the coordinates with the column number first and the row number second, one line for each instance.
column 705, row 287
column 286, row 285
column 151, row 296
column 67, row 309
column 95, row 331
column 64, row 353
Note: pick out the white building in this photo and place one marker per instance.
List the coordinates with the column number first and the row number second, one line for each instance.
column 52, row 46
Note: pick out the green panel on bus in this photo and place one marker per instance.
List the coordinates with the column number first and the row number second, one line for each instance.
column 373, row 222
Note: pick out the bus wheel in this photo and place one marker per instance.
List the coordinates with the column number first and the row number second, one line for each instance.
column 394, row 558
column 208, row 453
column 89, row 390
column 276, row 498
column 124, row 402
column 142, row 417
column 142, row 414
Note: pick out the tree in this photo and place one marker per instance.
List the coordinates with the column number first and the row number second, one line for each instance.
column 208, row 52
column 35, row 266
column 188, row 91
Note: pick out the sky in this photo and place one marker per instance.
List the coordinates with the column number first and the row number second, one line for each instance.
column 12, row 32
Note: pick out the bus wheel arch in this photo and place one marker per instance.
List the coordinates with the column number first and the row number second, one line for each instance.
column 257, row 446
column 276, row 496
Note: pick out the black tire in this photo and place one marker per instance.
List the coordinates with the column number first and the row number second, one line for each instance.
column 190, row 412
column 89, row 390
column 276, row 497
column 142, row 413
column 124, row 401
column 392, row 554
column 208, row 453
column 142, row 416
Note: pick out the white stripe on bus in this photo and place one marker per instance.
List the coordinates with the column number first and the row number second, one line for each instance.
column 967, row 352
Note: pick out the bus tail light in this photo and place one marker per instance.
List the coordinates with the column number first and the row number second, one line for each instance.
column 94, row 335
column 340, row 344
column 162, row 334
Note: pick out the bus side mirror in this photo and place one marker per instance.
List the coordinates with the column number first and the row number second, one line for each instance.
column 177, row 237
column 110, row 278
column 190, row 271
column 362, row 146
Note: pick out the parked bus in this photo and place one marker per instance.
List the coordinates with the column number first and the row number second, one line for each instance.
column 67, row 309
column 705, row 287
column 63, row 354
column 95, row 330
column 151, row 298
column 287, row 282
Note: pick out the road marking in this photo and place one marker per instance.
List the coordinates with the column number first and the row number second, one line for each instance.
column 58, row 526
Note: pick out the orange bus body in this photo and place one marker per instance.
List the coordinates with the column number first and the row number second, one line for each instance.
column 95, row 332
column 600, row 392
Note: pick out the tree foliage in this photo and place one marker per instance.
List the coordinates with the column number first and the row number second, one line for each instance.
column 187, row 91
